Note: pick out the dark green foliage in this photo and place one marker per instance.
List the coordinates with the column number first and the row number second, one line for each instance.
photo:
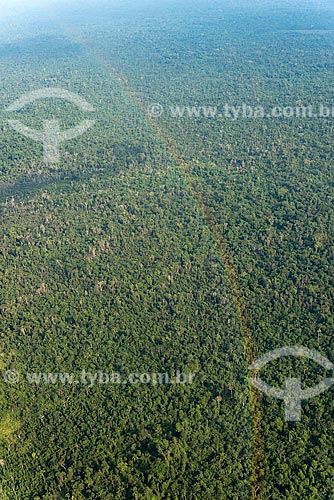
column 109, row 261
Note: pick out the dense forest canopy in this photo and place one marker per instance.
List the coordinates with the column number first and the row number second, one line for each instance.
column 160, row 243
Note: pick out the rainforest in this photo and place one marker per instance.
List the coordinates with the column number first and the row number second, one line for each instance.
column 147, row 234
